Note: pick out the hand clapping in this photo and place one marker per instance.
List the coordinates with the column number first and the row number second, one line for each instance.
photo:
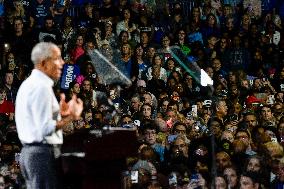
column 73, row 108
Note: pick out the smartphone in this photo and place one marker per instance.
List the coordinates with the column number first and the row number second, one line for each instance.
column 194, row 109
column 137, row 123
column 17, row 157
column 282, row 87
column 134, row 176
column 194, row 177
column 173, row 179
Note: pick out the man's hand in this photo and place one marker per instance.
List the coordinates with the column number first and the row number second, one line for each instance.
column 73, row 108
column 64, row 107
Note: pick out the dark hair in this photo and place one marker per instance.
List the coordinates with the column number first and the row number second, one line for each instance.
column 252, row 175
column 149, row 125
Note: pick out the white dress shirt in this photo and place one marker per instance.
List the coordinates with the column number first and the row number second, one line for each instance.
column 37, row 109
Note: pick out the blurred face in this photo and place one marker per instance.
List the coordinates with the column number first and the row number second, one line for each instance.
column 216, row 64
column 151, row 52
column 195, row 12
column 209, row 71
column 166, row 42
column 266, row 113
column 253, row 165
column 222, row 160
column 247, row 183
column 164, row 106
column 2, row 95
column 227, row 135
column 180, row 130
column 18, row 25
column 76, row 88
column 250, row 121
column 86, row 85
column 231, row 176
column 222, row 108
column 135, row 104
column 246, row 19
column 220, row 183
column 90, row 46
column 280, row 172
column 89, row 9
column 9, row 78
column 67, row 21
column 126, row 14
column 54, row 65
column 281, row 129
column 49, row 24
column 125, row 49
column 171, row 65
column 181, row 35
column 245, row 84
column 2, row 183
column 241, row 135
column 230, row 23
column 180, row 145
column 144, row 38
column 223, row 43
column 147, row 98
column 211, row 20
column 150, row 136
column 139, row 51
column 146, row 111
column 157, row 60
column 79, row 41
column 124, row 37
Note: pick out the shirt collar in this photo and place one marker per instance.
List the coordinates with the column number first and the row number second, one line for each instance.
column 43, row 76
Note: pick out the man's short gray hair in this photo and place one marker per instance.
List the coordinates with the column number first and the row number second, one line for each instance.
column 42, row 51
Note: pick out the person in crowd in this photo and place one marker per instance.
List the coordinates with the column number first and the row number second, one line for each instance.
column 127, row 23
column 68, row 33
column 231, row 176
column 149, row 132
column 49, row 33
column 10, row 86
column 7, row 107
column 249, row 180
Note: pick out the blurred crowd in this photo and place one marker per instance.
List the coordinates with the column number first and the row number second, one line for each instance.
column 228, row 135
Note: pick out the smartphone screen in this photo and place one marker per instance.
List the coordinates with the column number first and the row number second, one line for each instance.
column 134, row 176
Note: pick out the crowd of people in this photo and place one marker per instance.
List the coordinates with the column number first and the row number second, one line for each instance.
column 228, row 135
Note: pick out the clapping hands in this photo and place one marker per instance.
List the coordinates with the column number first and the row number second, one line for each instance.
column 73, row 108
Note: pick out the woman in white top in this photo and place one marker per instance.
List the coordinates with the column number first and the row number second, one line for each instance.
column 157, row 62
column 126, row 23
